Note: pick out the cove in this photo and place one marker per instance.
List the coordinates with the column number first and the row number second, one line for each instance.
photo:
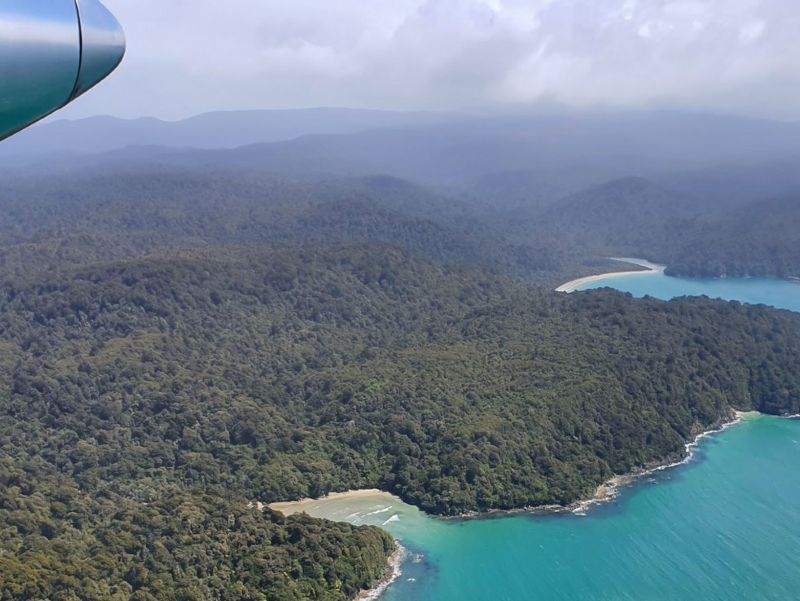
column 782, row 294
column 723, row 527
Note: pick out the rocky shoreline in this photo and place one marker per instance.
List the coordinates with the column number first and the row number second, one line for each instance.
column 393, row 572
column 609, row 490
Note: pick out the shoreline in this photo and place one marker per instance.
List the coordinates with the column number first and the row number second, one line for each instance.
column 303, row 504
column 649, row 269
column 605, row 493
column 610, row 490
column 393, row 571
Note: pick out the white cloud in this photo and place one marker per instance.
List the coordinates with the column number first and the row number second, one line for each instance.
column 751, row 32
column 188, row 56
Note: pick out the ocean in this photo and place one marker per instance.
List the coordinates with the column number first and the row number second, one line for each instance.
column 725, row 526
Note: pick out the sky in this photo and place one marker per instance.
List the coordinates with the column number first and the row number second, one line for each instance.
column 191, row 56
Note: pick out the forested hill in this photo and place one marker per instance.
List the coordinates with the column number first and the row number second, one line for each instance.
column 758, row 239
column 49, row 223
column 52, row 223
column 539, row 196
column 618, row 217
column 178, row 343
column 695, row 234
column 146, row 401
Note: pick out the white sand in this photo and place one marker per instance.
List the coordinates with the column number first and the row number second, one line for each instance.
column 292, row 507
column 650, row 269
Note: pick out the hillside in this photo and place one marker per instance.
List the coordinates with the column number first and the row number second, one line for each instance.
column 760, row 238
column 623, row 217
column 537, row 196
column 705, row 234
column 158, row 396
column 179, row 343
column 50, row 223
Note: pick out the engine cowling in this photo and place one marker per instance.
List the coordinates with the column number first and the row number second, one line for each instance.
column 51, row 52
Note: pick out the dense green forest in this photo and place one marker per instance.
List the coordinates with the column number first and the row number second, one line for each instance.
column 56, row 222
column 175, row 347
column 757, row 239
column 63, row 541
column 692, row 234
column 136, row 392
column 53, row 223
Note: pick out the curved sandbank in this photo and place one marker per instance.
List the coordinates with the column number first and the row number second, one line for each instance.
column 307, row 505
column 649, row 269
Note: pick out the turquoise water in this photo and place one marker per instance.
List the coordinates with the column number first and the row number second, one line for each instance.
column 783, row 294
column 724, row 527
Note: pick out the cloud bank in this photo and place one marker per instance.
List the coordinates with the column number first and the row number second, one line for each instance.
column 190, row 56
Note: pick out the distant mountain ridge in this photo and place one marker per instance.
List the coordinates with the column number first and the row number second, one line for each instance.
column 564, row 151
column 514, row 192
column 222, row 129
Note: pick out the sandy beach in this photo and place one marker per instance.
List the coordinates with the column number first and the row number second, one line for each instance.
column 358, row 498
column 304, row 505
column 367, row 499
column 649, row 269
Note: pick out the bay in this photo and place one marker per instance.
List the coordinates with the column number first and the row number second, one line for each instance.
column 723, row 527
column 774, row 292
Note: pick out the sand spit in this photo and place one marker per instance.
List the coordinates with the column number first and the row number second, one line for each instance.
column 292, row 507
column 649, row 269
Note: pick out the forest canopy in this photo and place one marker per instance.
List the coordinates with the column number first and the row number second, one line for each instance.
column 162, row 370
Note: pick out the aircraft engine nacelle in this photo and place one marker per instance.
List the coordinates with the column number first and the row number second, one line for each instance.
column 51, row 52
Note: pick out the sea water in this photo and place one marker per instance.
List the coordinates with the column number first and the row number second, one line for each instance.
column 723, row 527
column 783, row 294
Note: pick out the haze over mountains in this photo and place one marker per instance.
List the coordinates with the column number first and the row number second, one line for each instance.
column 225, row 129
column 435, row 148
column 523, row 193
